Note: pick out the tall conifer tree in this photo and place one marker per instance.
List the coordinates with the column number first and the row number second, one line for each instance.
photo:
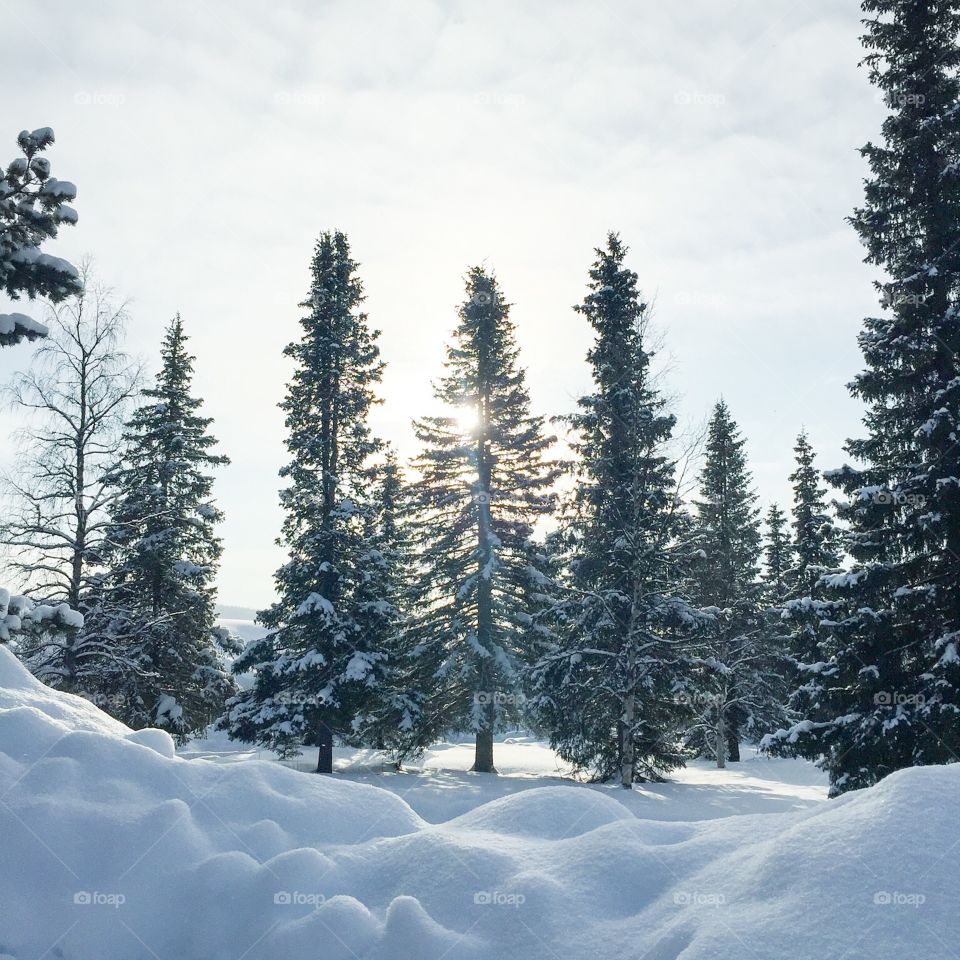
column 740, row 688
column 320, row 664
column 604, row 689
column 885, row 681
column 727, row 527
column 814, row 550
column 388, row 716
column 484, row 481
column 155, row 606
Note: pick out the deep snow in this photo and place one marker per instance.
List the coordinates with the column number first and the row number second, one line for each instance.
column 113, row 847
column 439, row 787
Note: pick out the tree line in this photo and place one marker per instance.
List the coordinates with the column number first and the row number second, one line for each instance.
column 640, row 630
column 591, row 589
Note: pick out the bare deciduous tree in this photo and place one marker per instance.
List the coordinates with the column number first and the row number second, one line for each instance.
column 75, row 395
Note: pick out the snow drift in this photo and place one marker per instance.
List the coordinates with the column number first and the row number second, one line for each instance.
column 112, row 847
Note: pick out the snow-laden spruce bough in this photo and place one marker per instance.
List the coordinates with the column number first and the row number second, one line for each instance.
column 33, row 206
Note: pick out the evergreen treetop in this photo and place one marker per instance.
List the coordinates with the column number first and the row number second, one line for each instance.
column 777, row 553
column 727, row 517
column 814, row 537
column 33, row 207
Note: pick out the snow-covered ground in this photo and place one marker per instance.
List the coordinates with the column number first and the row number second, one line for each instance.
column 440, row 786
column 112, row 847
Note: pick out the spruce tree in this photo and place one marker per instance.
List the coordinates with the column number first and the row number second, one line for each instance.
column 484, row 480
column 604, row 689
column 814, row 537
column 777, row 554
column 154, row 608
column 885, row 684
column 379, row 599
column 738, row 687
column 33, row 206
column 815, row 556
column 320, row 665
column 727, row 526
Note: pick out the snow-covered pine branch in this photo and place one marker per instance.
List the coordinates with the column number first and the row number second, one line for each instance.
column 33, row 207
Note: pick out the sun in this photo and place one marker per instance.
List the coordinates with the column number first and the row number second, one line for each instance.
column 465, row 418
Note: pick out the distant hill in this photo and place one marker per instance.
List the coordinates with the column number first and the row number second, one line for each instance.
column 226, row 612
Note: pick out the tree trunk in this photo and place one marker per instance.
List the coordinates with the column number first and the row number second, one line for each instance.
column 720, row 741
column 325, row 743
column 79, row 505
column 483, row 755
column 629, row 715
column 733, row 744
column 620, row 743
column 626, row 765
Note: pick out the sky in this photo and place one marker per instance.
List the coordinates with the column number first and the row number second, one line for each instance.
column 211, row 143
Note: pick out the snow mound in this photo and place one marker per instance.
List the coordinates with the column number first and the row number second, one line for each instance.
column 411, row 933
column 112, row 848
column 158, row 740
column 546, row 813
column 20, row 689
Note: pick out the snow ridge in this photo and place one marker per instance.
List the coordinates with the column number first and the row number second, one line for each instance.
column 121, row 849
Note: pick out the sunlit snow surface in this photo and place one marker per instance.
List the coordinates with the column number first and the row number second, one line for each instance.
column 111, row 847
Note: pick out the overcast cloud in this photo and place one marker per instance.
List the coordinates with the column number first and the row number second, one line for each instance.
column 212, row 142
